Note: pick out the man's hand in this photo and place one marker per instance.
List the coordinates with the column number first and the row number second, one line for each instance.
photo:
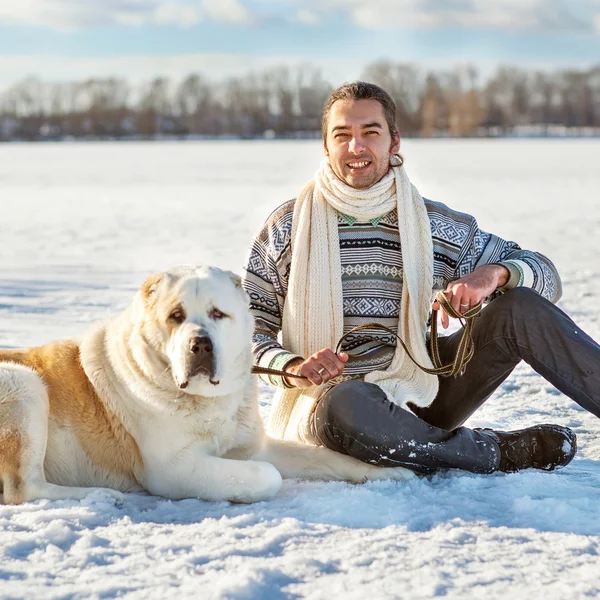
column 472, row 289
column 318, row 368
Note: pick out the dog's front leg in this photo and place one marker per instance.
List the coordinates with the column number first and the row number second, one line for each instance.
column 195, row 473
column 294, row 459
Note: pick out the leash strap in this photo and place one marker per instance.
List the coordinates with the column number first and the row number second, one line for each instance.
column 466, row 346
column 265, row 371
column 464, row 352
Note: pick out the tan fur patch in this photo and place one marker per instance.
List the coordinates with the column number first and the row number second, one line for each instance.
column 75, row 404
column 156, row 316
column 150, row 286
column 11, row 448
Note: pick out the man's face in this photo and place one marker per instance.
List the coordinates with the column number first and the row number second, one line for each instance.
column 359, row 142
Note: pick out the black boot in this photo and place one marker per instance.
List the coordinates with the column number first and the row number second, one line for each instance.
column 546, row 447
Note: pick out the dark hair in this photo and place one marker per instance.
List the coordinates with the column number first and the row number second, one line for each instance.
column 360, row 90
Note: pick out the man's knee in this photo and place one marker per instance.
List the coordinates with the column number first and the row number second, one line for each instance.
column 517, row 303
column 519, row 297
column 341, row 406
column 341, row 399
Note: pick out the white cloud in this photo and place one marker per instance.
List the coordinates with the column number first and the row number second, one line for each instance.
column 531, row 15
column 177, row 14
column 513, row 15
column 231, row 11
column 402, row 14
column 307, row 17
column 53, row 14
column 67, row 15
column 138, row 69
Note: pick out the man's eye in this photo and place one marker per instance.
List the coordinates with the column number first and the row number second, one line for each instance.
column 216, row 314
column 177, row 316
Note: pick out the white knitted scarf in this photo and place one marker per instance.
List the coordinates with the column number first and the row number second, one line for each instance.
column 313, row 315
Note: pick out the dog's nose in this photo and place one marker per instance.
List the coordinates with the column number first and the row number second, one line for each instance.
column 201, row 358
column 201, row 343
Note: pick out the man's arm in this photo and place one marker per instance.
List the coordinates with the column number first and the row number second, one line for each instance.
column 484, row 265
column 526, row 268
column 264, row 279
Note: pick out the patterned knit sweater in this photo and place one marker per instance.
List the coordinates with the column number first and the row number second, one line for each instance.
column 371, row 259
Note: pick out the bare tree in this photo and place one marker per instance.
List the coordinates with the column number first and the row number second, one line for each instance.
column 434, row 109
column 289, row 100
column 403, row 83
column 193, row 103
column 313, row 92
column 153, row 107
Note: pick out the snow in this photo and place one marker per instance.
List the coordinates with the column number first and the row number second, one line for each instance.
column 83, row 224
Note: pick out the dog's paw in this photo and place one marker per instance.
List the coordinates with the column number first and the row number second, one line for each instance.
column 118, row 497
column 394, row 473
column 262, row 483
column 400, row 473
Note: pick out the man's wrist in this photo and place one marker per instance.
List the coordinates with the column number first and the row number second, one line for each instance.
column 277, row 359
column 503, row 275
column 517, row 271
column 289, row 366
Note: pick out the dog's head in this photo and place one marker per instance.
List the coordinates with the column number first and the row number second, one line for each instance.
column 197, row 319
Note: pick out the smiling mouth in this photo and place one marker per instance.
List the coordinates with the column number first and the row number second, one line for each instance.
column 358, row 164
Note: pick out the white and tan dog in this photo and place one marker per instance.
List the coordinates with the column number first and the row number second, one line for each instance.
column 159, row 398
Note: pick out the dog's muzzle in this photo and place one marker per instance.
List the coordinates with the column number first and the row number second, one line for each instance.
column 201, row 359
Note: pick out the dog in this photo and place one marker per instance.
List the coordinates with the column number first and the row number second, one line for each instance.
column 159, row 399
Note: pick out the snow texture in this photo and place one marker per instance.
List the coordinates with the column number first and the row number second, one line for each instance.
column 83, row 224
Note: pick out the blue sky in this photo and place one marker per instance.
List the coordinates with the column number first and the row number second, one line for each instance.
column 137, row 39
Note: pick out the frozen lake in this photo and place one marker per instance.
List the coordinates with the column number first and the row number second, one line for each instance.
column 82, row 225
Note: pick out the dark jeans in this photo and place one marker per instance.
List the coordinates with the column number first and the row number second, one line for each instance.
column 356, row 418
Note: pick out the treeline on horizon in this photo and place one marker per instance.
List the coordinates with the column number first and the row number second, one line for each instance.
column 287, row 102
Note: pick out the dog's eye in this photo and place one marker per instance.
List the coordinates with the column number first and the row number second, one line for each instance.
column 177, row 316
column 216, row 314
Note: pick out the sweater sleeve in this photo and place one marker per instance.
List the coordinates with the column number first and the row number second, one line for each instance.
column 264, row 278
column 527, row 268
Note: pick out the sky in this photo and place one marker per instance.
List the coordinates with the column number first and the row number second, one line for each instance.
column 61, row 40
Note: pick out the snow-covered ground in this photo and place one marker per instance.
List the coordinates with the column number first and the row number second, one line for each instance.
column 81, row 226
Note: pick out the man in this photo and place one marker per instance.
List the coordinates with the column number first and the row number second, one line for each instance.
column 360, row 245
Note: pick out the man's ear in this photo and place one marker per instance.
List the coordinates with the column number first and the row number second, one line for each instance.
column 395, row 147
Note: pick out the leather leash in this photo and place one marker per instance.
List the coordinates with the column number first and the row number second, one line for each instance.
column 464, row 352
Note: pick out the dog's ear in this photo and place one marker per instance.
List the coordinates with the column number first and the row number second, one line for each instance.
column 237, row 280
column 149, row 287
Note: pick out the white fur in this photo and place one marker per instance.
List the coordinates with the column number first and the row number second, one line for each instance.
column 205, row 441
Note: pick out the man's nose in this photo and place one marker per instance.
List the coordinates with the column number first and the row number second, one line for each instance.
column 356, row 144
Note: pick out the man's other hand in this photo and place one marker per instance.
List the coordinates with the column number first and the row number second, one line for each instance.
column 473, row 289
column 318, row 368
